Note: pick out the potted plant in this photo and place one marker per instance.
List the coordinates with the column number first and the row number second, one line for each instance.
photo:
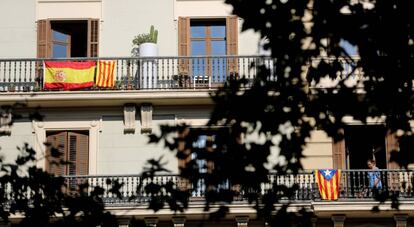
column 147, row 47
column 147, row 43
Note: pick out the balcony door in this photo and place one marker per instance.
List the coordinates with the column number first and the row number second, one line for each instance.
column 363, row 143
column 207, row 37
column 67, row 38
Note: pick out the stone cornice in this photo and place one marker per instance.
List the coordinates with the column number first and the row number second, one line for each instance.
column 107, row 98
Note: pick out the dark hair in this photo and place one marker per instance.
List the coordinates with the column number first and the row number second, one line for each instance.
column 371, row 160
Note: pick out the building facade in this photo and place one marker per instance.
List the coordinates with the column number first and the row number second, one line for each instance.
column 104, row 131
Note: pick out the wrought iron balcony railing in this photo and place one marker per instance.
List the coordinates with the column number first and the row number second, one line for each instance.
column 140, row 73
column 26, row 75
column 354, row 185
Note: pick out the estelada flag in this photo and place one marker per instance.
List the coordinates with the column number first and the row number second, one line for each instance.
column 68, row 75
column 105, row 76
column 328, row 183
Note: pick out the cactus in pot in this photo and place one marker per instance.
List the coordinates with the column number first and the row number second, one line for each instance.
column 150, row 37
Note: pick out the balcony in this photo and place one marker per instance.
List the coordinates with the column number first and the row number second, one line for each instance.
column 353, row 186
column 148, row 73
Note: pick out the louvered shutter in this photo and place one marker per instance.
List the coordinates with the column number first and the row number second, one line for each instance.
column 44, row 48
column 183, row 44
column 93, row 38
column 232, row 44
column 78, row 153
column 44, row 38
column 338, row 154
column 53, row 165
column 391, row 145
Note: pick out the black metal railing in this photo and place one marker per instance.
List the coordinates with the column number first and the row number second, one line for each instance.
column 140, row 73
column 353, row 185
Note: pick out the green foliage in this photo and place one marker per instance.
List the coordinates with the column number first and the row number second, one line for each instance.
column 49, row 196
column 150, row 37
column 283, row 105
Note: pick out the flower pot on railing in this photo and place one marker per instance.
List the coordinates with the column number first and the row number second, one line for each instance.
column 148, row 66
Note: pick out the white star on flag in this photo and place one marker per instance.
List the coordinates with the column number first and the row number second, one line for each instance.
column 327, row 172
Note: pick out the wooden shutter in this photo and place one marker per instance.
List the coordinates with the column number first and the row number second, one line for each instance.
column 183, row 44
column 232, row 31
column 338, row 154
column 57, row 141
column 93, row 38
column 78, row 153
column 44, row 38
column 391, row 145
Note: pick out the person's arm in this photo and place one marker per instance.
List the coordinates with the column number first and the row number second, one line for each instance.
column 377, row 178
column 376, row 182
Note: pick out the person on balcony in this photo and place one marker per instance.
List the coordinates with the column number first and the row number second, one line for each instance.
column 374, row 176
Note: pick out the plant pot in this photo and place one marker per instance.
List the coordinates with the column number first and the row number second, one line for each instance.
column 148, row 69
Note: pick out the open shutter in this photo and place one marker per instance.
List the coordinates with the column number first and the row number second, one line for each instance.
column 338, row 154
column 391, row 145
column 231, row 45
column 183, row 44
column 53, row 165
column 93, row 37
column 78, row 153
column 44, row 38
column 44, row 47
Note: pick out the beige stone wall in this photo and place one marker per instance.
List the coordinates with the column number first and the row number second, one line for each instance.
column 318, row 151
column 21, row 133
column 124, row 19
column 121, row 153
column 68, row 9
column 17, row 29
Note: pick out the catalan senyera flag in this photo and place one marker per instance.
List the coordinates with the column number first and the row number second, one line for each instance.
column 105, row 76
column 328, row 183
column 68, row 75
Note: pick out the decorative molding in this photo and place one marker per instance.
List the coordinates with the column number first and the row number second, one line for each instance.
column 401, row 220
column 151, row 221
column 242, row 221
column 178, row 221
column 338, row 220
column 129, row 118
column 146, row 118
column 5, row 121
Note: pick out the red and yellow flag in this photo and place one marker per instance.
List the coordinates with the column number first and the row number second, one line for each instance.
column 328, row 183
column 105, row 76
column 68, row 75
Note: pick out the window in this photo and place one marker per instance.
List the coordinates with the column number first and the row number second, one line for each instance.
column 74, row 148
column 213, row 37
column 67, row 38
column 61, row 44
column 205, row 143
column 363, row 142
column 208, row 38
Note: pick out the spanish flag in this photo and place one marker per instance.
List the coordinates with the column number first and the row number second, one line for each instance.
column 328, row 183
column 68, row 75
column 105, row 77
